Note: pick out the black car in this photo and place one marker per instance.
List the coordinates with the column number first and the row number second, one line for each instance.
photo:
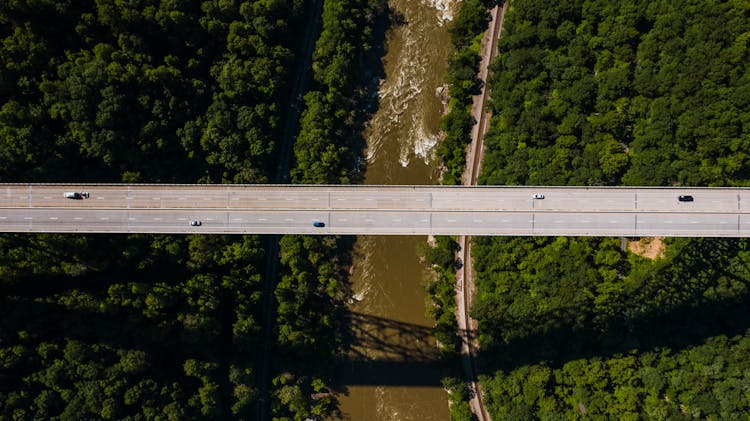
column 319, row 224
column 685, row 198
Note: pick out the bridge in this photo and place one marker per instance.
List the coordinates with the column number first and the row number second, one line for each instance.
column 378, row 210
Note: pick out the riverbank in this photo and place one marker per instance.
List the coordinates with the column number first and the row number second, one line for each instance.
column 393, row 371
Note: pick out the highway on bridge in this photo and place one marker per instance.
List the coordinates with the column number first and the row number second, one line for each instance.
column 404, row 210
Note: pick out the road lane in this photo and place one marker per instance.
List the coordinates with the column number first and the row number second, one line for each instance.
column 704, row 199
column 369, row 222
column 372, row 197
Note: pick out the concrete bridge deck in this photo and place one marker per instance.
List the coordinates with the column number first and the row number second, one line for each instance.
column 376, row 210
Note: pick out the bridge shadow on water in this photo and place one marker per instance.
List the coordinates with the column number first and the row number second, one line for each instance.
column 385, row 352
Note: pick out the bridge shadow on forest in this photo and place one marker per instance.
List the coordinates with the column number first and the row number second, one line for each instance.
column 672, row 312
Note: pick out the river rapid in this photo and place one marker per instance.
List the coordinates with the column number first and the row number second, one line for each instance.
column 392, row 373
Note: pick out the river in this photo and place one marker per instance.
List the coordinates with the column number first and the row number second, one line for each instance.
column 392, row 374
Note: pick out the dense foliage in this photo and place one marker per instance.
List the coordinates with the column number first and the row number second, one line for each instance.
column 641, row 93
column 142, row 326
column 707, row 381
column 142, row 91
column 458, row 399
column 441, row 257
column 330, row 127
column 466, row 36
column 591, row 92
column 149, row 325
column 563, row 306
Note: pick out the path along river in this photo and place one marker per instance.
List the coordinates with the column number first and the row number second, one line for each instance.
column 393, row 375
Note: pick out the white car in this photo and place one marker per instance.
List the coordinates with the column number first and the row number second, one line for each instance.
column 537, row 196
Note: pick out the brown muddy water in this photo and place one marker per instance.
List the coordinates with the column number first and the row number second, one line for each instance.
column 392, row 373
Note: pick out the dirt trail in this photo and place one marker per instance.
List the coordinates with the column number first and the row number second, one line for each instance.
column 475, row 152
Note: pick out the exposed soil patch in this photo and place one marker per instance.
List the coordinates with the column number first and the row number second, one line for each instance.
column 648, row 247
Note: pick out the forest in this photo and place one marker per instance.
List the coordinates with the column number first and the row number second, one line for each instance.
column 140, row 326
column 596, row 92
column 112, row 327
column 466, row 30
